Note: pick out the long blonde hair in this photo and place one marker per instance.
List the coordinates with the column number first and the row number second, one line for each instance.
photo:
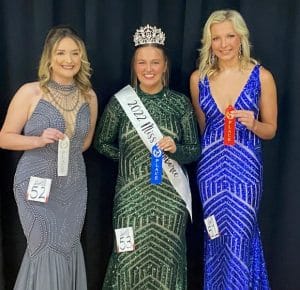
column 55, row 35
column 208, row 66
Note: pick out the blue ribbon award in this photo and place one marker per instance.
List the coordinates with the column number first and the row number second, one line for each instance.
column 156, row 165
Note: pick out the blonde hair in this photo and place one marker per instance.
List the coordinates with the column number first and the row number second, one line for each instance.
column 207, row 66
column 55, row 35
column 165, row 78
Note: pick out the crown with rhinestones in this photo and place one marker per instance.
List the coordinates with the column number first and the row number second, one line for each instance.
column 148, row 34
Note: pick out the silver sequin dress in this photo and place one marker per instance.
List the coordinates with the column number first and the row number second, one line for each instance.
column 53, row 259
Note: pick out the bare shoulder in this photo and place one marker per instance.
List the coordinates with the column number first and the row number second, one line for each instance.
column 92, row 93
column 265, row 75
column 30, row 88
column 195, row 76
column 93, row 97
column 28, row 92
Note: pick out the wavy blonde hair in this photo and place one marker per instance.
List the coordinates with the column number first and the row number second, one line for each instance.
column 55, row 35
column 208, row 67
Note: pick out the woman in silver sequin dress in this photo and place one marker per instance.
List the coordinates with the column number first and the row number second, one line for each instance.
column 61, row 106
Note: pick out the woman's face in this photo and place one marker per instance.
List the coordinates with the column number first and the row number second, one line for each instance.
column 225, row 42
column 65, row 61
column 149, row 66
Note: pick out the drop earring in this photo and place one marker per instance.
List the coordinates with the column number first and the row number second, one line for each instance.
column 212, row 58
column 240, row 52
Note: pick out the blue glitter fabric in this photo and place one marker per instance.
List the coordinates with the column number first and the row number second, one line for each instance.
column 230, row 185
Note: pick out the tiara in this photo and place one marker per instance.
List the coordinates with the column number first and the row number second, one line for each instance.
column 148, row 34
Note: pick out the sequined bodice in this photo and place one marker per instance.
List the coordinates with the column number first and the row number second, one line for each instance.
column 46, row 115
column 171, row 112
column 247, row 100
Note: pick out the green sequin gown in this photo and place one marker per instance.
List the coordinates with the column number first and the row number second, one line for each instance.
column 156, row 212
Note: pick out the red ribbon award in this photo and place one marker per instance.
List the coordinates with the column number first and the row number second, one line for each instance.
column 229, row 127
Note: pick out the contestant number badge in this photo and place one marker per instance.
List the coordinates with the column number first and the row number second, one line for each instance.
column 63, row 156
column 212, row 227
column 124, row 240
column 38, row 189
column 229, row 127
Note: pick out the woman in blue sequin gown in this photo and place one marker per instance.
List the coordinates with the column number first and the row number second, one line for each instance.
column 230, row 176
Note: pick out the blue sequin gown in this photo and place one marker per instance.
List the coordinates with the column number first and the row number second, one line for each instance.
column 230, row 185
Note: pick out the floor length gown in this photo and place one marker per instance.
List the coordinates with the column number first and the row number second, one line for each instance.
column 53, row 259
column 156, row 213
column 230, row 185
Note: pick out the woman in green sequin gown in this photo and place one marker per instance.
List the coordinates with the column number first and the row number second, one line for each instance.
column 156, row 212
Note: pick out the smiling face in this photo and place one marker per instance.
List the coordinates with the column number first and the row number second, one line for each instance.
column 65, row 61
column 225, row 42
column 149, row 66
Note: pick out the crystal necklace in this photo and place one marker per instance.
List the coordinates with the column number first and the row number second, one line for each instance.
column 66, row 97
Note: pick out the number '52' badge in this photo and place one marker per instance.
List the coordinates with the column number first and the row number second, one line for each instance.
column 39, row 189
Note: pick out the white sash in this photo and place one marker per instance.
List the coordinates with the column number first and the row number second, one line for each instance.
column 150, row 134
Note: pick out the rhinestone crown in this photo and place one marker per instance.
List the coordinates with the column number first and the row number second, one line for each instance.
column 148, row 34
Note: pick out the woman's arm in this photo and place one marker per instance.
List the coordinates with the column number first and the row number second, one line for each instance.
column 188, row 149
column 194, row 90
column 19, row 111
column 265, row 127
column 93, row 104
column 106, row 137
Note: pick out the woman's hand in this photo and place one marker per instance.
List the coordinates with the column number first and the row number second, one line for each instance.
column 49, row 135
column 246, row 118
column 167, row 144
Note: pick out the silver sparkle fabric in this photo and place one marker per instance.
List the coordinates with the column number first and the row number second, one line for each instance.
column 230, row 185
column 53, row 259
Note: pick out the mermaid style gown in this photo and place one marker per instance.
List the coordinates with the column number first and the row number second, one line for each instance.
column 230, row 185
column 156, row 212
column 53, row 259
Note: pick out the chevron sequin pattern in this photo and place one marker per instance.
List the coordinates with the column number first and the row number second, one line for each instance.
column 156, row 212
column 230, row 186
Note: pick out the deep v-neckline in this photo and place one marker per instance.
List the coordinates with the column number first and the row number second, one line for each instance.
column 41, row 100
column 237, row 98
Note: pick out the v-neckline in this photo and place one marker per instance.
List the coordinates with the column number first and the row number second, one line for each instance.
column 237, row 98
column 59, row 113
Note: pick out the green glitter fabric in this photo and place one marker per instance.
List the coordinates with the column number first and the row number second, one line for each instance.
column 156, row 213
